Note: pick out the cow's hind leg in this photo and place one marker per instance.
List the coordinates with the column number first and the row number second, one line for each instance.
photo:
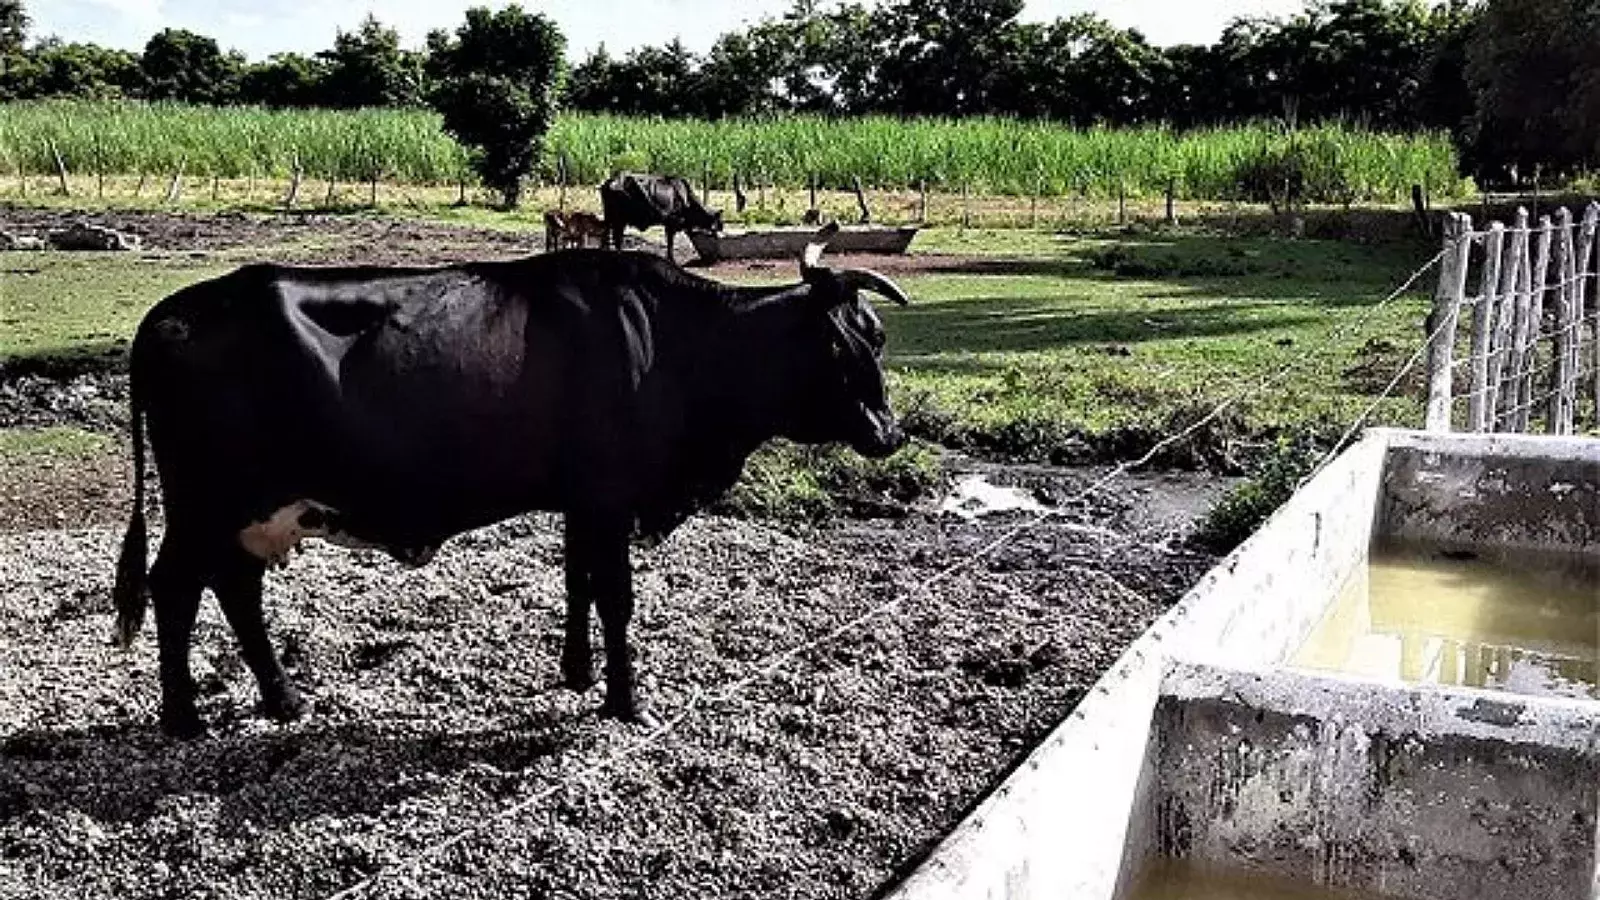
column 577, row 664
column 175, row 586
column 238, row 588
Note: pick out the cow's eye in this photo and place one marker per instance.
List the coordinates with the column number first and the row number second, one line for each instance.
column 838, row 351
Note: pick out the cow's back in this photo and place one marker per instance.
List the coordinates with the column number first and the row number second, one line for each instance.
column 442, row 398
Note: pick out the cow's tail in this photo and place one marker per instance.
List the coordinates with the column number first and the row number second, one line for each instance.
column 131, row 594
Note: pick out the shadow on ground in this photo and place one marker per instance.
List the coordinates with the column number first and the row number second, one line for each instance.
column 124, row 773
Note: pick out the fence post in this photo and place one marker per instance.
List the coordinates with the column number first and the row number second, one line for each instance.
column 1530, row 323
column 1506, row 314
column 294, row 183
column 175, row 186
column 1480, row 406
column 61, row 169
column 861, row 199
column 1442, row 322
column 1554, row 420
column 1580, row 304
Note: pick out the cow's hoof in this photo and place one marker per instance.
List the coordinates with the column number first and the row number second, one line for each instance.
column 631, row 713
column 577, row 672
column 287, row 706
column 183, row 726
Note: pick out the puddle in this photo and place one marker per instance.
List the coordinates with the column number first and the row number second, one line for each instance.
column 974, row 497
column 1175, row 880
column 1515, row 621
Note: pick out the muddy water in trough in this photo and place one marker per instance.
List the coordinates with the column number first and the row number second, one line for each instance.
column 1517, row 621
column 1172, row 880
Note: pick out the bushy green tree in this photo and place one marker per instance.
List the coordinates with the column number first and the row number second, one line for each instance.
column 495, row 84
column 1534, row 69
column 189, row 67
column 53, row 68
column 14, row 24
column 367, row 67
column 284, row 80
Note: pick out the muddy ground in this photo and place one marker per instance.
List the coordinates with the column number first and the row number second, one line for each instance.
column 442, row 759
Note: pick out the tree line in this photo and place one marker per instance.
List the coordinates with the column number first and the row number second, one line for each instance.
column 1512, row 80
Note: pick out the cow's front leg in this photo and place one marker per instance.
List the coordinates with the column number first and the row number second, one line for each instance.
column 672, row 241
column 238, row 589
column 613, row 593
column 577, row 663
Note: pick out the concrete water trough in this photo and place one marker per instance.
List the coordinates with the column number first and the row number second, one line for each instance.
column 1388, row 691
column 789, row 243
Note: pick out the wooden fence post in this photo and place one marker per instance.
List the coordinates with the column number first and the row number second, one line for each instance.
column 1442, row 322
column 1511, row 273
column 561, row 181
column 175, row 186
column 1559, row 409
column 1558, row 402
column 294, row 183
column 61, row 169
column 99, row 169
column 1479, row 406
column 1172, row 201
column 1580, row 304
column 861, row 199
column 1529, row 324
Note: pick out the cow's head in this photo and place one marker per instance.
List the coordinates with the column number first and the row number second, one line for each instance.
column 841, row 355
column 699, row 218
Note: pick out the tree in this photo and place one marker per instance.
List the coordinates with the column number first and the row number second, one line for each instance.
column 14, row 24
column 367, row 67
column 188, row 67
column 284, row 80
column 1532, row 66
column 57, row 69
column 942, row 53
column 496, row 86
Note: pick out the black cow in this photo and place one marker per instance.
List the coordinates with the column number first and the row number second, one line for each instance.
column 395, row 408
column 645, row 201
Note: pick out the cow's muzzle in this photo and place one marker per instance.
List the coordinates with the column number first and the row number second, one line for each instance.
column 881, row 438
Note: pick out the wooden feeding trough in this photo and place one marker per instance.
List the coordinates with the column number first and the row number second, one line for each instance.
column 788, row 243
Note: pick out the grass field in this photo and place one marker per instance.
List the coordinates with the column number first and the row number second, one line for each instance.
column 1336, row 163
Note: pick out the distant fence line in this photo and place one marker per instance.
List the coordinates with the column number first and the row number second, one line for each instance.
column 1532, row 339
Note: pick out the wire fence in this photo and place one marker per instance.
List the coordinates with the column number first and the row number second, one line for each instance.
column 921, row 591
column 1533, row 334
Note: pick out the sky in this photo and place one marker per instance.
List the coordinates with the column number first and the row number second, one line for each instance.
column 260, row 28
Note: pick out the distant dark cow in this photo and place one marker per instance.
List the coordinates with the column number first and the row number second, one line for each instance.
column 397, row 407
column 645, row 201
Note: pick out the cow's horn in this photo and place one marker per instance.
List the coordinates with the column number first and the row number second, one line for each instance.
column 819, row 243
column 868, row 280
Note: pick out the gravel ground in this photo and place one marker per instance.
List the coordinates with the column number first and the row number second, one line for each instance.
column 442, row 759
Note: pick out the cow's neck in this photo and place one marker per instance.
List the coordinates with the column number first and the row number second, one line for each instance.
column 750, row 382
